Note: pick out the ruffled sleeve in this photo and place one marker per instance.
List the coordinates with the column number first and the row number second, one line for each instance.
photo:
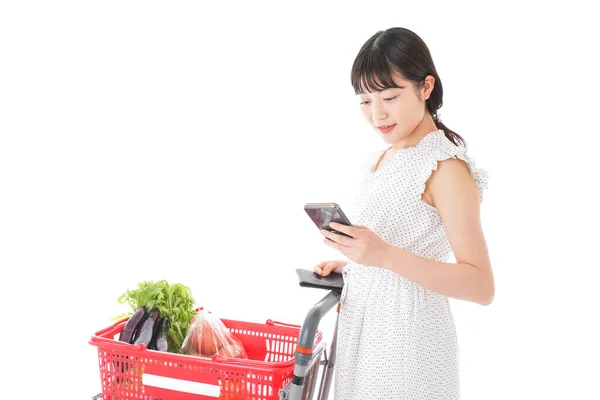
column 445, row 150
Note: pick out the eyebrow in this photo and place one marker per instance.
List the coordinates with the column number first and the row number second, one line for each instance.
column 382, row 90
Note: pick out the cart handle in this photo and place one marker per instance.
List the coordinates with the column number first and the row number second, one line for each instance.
column 271, row 322
column 97, row 340
column 113, row 329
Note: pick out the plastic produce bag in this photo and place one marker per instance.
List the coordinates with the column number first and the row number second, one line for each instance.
column 207, row 336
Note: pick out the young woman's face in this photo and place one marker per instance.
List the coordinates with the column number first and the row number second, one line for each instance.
column 395, row 113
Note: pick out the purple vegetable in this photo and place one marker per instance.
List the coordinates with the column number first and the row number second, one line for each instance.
column 129, row 330
column 159, row 339
column 145, row 331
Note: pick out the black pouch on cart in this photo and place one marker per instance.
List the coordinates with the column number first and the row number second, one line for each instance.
column 333, row 281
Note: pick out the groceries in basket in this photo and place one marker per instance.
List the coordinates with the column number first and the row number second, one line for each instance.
column 148, row 328
column 161, row 314
column 131, row 372
column 207, row 336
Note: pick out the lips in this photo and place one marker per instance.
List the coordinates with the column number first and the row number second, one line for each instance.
column 386, row 128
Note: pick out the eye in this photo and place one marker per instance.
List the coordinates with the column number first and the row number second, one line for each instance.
column 391, row 98
column 364, row 103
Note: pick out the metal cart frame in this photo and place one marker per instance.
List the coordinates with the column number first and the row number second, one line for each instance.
column 298, row 388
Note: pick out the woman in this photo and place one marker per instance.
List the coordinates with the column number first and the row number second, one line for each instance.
column 418, row 202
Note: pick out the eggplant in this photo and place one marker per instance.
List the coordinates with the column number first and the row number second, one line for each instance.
column 138, row 327
column 144, row 333
column 127, row 333
column 159, row 338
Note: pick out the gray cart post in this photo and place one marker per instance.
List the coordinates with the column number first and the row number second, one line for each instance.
column 308, row 361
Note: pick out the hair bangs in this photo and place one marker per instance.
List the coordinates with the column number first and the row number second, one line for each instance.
column 372, row 72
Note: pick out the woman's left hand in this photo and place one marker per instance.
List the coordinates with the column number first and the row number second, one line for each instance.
column 364, row 247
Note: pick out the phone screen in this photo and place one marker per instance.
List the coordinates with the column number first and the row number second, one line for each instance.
column 322, row 216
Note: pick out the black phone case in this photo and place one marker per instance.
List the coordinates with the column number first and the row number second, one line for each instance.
column 320, row 213
column 333, row 281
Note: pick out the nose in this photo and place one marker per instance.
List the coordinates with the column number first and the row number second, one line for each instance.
column 378, row 113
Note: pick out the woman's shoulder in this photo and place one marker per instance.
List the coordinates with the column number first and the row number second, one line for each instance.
column 439, row 144
column 445, row 148
column 440, row 147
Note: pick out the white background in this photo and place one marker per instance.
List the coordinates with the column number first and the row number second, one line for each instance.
column 179, row 141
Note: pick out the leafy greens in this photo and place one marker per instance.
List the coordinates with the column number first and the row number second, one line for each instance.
column 172, row 300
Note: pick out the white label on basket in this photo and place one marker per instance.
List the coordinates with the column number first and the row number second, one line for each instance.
column 181, row 385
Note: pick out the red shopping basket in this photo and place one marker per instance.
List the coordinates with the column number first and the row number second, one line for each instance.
column 133, row 372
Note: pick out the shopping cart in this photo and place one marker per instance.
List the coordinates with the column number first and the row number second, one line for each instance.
column 283, row 362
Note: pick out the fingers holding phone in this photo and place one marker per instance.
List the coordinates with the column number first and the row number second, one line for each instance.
column 326, row 267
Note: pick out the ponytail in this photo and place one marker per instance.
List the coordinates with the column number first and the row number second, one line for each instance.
column 450, row 134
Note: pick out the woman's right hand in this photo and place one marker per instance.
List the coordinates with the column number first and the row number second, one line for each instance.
column 326, row 267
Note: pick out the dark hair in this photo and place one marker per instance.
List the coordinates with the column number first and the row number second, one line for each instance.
column 403, row 51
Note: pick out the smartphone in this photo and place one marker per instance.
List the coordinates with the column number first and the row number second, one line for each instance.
column 324, row 213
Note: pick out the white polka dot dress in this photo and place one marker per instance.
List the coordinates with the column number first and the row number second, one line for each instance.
column 396, row 339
